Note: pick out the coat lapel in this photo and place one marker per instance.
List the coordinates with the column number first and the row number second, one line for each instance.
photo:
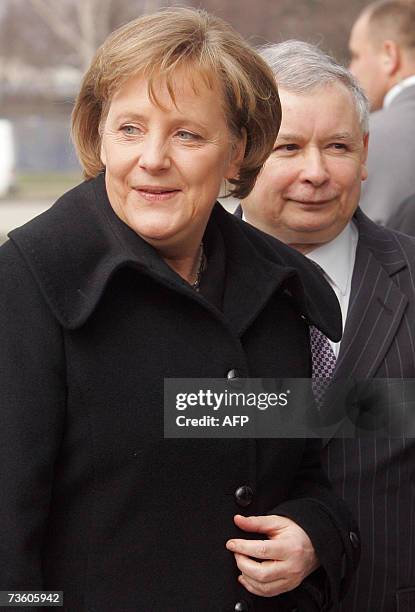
column 256, row 270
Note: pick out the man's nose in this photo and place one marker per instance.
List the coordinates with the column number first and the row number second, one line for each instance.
column 154, row 154
column 315, row 169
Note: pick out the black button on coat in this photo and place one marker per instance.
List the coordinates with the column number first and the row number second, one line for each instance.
column 94, row 501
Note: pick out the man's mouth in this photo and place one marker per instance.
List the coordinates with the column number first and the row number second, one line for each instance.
column 311, row 202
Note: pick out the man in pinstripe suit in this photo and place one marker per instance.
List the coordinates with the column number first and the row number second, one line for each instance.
column 307, row 196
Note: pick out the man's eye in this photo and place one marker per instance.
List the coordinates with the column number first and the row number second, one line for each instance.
column 286, row 147
column 339, row 146
column 130, row 130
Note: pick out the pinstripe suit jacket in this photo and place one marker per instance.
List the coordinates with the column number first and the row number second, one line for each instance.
column 377, row 477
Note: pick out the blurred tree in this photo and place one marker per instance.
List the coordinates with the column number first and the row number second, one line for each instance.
column 51, row 32
column 89, row 24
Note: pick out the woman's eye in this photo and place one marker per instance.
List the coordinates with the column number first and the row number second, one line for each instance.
column 185, row 135
column 130, row 130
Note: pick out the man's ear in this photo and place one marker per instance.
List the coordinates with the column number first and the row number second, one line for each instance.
column 391, row 57
column 364, row 172
column 237, row 155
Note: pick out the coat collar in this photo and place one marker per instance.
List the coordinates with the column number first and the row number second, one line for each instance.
column 77, row 246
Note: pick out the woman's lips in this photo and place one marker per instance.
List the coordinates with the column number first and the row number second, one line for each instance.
column 154, row 194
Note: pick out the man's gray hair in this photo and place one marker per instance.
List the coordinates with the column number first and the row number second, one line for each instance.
column 301, row 67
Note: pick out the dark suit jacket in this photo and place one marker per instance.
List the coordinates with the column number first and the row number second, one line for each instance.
column 377, row 477
column 94, row 501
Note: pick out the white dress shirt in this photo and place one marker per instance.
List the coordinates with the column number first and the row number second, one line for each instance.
column 396, row 90
column 336, row 258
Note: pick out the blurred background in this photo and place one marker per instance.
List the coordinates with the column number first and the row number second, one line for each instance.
column 46, row 45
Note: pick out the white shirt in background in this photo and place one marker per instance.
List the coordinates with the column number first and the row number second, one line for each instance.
column 396, row 90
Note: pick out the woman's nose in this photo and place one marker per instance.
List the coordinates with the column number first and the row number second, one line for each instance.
column 154, row 154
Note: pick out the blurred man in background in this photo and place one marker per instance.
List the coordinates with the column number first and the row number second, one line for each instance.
column 382, row 48
column 307, row 195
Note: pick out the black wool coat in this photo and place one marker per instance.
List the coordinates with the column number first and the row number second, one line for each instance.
column 94, row 501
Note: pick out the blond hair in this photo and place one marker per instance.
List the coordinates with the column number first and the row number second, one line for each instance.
column 159, row 44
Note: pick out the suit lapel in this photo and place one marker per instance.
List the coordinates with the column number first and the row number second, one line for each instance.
column 375, row 312
column 376, row 303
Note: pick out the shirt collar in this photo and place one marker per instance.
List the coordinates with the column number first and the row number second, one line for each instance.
column 336, row 258
column 396, row 90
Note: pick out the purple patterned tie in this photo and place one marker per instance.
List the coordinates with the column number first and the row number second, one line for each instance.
column 323, row 364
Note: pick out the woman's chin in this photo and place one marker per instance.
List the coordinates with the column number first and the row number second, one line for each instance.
column 156, row 233
column 154, row 224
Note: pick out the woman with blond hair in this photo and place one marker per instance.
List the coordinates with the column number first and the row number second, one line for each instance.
column 135, row 276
